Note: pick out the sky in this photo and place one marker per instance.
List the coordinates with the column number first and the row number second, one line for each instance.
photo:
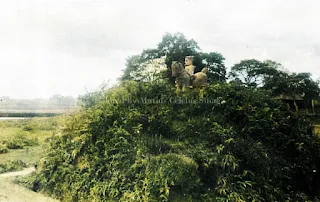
column 71, row 47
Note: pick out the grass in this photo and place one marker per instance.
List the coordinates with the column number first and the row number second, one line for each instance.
column 29, row 155
column 8, row 132
column 38, row 129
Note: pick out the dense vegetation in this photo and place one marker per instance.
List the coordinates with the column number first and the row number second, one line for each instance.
column 141, row 141
column 240, row 147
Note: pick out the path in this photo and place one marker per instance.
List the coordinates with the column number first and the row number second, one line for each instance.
column 11, row 192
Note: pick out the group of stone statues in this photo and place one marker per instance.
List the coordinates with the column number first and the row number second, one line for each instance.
column 185, row 77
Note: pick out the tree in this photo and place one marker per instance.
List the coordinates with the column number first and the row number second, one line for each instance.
column 132, row 65
column 175, row 47
column 216, row 67
column 249, row 72
column 301, row 84
column 141, row 68
column 307, row 87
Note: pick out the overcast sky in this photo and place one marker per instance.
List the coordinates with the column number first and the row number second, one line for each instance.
column 70, row 46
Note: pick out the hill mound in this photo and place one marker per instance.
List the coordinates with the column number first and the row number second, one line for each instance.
column 143, row 142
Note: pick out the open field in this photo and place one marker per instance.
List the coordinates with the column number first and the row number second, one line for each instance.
column 35, row 129
column 29, row 155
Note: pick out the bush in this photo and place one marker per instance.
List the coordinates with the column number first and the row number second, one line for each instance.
column 44, row 123
column 12, row 166
column 235, row 144
column 3, row 148
column 28, row 181
column 28, row 128
column 14, row 144
column 33, row 124
column 20, row 141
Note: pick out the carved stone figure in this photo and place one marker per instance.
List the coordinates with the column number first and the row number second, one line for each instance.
column 183, row 78
column 200, row 79
column 189, row 65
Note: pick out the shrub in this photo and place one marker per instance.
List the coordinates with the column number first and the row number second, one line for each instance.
column 20, row 141
column 12, row 166
column 44, row 123
column 28, row 181
column 14, row 144
column 28, row 128
column 3, row 148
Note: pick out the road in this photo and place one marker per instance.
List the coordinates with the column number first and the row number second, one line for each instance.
column 11, row 192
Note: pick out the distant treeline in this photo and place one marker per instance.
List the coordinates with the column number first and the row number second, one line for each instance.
column 53, row 105
column 28, row 114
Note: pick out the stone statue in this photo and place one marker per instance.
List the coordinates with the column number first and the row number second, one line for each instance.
column 189, row 67
column 200, row 79
column 184, row 79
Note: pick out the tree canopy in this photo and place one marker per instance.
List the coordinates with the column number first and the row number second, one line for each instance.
column 249, row 72
column 175, row 47
column 270, row 75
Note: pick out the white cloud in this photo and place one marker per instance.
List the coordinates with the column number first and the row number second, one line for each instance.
column 49, row 47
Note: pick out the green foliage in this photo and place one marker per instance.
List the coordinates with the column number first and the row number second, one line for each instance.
column 216, row 67
column 142, row 142
column 92, row 98
column 19, row 141
column 133, row 68
column 249, row 72
column 271, row 76
column 12, row 166
column 293, row 84
column 43, row 124
column 3, row 148
column 28, row 128
column 32, row 124
column 177, row 47
column 28, row 181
